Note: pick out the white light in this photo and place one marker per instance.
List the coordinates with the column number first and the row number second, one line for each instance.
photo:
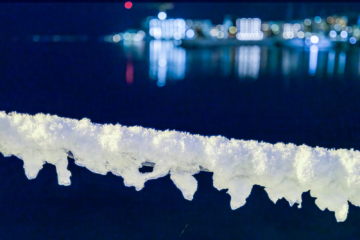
column 162, row 15
column 141, row 33
column 177, row 36
column 157, row 33
column 314, row 48
column 296, row 26
column 151, row 31
column 153, row 22
column 213, row 32
column 332, row 33
column 307, row 22
column 116, row 38
column 249, row 29
column 220, row 35
column 162, row 63
column 190, row 33
column 300, row 34
column 275, row 28
column 138, row 37
column 352, row 40
column 343, row 34
column 181, row 22
column 126, row 36
column 177, row 42
column 313, row 60
column 314, row 39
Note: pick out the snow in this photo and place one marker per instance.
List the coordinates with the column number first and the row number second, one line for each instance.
column 285, row 170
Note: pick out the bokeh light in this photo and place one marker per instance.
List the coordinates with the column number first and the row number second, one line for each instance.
column 314, row 39
column 343, row 34
column 162, row 15
column 333, row 33
column 128, row 5
column 352, row 40
column 190, row 33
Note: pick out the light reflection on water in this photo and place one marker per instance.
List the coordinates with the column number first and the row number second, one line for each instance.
column 168, row 62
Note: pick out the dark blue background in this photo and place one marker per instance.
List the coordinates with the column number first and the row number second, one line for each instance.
column 79, row 80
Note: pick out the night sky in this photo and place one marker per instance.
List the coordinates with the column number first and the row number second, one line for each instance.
column 98, row 19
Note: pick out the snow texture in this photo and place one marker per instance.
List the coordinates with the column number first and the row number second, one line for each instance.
column 285, row 170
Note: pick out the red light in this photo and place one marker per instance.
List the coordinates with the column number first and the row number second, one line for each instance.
column 128, row 5
column 129, row 73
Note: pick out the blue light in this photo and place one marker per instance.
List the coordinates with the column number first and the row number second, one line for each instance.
column 317, row 19
column 352, row 40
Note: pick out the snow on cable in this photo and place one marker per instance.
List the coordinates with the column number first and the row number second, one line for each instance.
column 285, row 170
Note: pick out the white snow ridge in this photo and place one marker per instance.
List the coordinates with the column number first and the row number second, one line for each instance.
column 285, row 170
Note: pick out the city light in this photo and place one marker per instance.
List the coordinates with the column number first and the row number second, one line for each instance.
column 343, row 34
column 312, row 30
column 116, row 38
column 162, row 63
column 307, row 22
column 167, row 29
column 166, row 62
column 162, row 15
column 249, row 29
column 213, row 32
column 220, row 35
column 126, row 36
column 275, row 28
column 128, row 5
column 352, row 40
column 232, row 30
column 300, row 34
column 330, row 20
column 177, row 36
column 314, row 39
column 190, row 33
column 248, row 61
column 264, row 27
column 317, row 19
column 139, row 36
column 333, row 33
column 313, row 59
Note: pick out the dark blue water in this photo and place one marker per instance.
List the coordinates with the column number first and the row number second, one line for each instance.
column 262, row 93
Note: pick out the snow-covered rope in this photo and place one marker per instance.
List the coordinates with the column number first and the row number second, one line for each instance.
column 285, row 170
